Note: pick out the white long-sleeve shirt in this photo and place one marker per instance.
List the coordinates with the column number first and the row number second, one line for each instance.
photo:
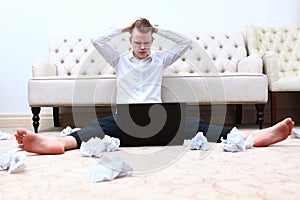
column 139, row 80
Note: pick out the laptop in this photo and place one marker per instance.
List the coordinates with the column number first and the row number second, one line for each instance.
column 151, row 124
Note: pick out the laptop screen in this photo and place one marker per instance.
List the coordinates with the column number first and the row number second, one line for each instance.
column 154, row 124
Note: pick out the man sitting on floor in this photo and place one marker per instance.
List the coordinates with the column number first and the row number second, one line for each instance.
column 139, row 76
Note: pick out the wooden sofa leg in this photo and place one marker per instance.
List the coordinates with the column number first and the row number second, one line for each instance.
column 260, row 114
column 273, row 100
column 36, row 119
column 239, row 110
column 56, row 116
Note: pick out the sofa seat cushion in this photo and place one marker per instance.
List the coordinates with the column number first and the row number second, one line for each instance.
column 286, row 84
column 227, row 88
column 67, row 91
column 191, row 88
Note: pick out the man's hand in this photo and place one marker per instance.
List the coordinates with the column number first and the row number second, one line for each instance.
column 127, row 29
column 155, row 28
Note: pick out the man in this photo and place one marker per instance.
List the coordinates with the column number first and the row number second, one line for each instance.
column 139, row 76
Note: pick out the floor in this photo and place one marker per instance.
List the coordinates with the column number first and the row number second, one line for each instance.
column 158, row 173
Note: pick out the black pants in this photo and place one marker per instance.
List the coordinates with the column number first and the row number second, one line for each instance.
column 108, row 126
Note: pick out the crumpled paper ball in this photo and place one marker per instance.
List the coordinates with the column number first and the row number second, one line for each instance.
column 5, row 136
column 12, row 161
column 68, row 130
column 235, row 141
column 295, row 133
column 95, row 146
column 109, row 168
column 199, row 142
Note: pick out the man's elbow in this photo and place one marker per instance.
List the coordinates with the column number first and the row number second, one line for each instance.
column 188, row 43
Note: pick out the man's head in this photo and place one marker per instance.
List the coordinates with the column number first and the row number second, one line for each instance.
column 141, row 38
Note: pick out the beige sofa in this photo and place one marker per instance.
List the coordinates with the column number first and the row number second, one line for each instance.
column 214, row 70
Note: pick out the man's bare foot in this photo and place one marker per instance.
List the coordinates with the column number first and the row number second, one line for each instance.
column 274, row 134
column 40, row 144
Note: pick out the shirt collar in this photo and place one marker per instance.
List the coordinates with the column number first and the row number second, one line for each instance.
column 135, row 60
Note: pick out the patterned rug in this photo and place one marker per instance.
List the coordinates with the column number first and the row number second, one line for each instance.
column 159, row 173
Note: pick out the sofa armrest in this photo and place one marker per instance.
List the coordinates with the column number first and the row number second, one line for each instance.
column 271, row 66
column 252, row 63
column 42, row 67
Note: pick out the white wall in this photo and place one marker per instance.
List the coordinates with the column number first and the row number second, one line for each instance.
column 27, row 25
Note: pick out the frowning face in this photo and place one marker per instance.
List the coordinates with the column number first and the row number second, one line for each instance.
column 141, row 43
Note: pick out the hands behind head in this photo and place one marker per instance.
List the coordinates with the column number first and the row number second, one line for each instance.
column 155, row 28
column 131, row 27
column 128, row 28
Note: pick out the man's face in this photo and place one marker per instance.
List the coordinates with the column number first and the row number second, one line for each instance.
column 141, row 43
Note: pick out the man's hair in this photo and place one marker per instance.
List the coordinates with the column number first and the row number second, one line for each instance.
column 143, row 25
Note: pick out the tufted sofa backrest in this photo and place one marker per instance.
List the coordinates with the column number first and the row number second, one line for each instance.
column 210, row 53
column 224, row 49
column 282, row 41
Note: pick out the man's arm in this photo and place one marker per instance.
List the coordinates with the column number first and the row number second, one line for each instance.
column 182, row 44
column 109, row 53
